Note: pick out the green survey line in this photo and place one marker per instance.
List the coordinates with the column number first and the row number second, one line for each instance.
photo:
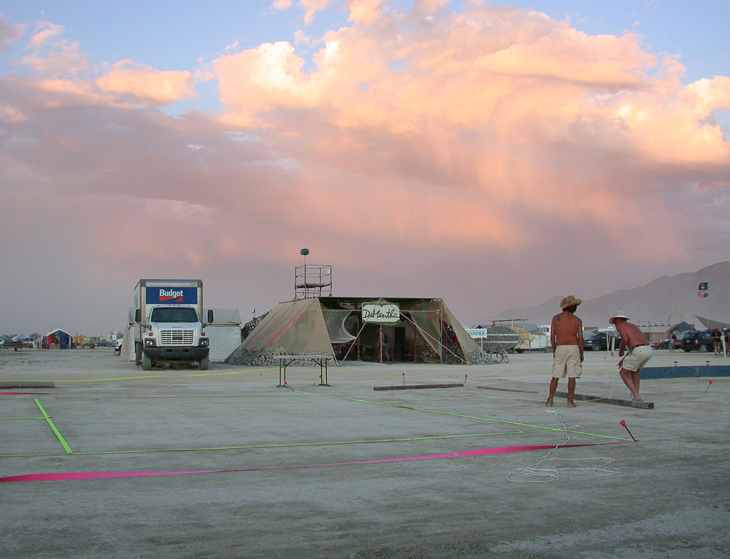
column 228, row 373
column 115, row 378
column 38, row 455
column 203, row 396
column 174, row 375
column 460, row 415
column 53, row 427
column 283, row 445
column 138, row 377
column 99, row 379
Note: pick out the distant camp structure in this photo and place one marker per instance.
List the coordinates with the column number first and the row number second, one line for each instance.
column 59, row 339
column 372, row 329
column 224, row 333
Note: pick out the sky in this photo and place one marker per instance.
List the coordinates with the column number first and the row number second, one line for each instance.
column 494, row 155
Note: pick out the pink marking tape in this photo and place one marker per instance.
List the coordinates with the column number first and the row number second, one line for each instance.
column 99, row 475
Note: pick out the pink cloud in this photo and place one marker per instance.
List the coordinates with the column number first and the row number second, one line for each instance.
column 528, row 80
column 52, row 55
column 366, row 12
column 147, row 84
column 311, row 7
column 263, row 79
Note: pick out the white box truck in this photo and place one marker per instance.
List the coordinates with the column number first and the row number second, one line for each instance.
column 168, row 323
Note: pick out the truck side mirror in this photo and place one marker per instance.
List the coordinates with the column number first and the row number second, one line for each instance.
column 210, row 316
column 138, row 315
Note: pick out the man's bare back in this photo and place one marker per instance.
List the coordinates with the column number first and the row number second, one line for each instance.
column 630, row 335
column 566, row 329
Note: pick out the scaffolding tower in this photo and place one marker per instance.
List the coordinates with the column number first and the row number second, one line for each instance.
column 312, row 280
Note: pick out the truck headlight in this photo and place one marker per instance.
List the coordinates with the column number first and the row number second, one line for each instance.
column 204, row 342
column 149, row 342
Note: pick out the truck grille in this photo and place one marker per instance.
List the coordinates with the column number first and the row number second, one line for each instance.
column 177, row 337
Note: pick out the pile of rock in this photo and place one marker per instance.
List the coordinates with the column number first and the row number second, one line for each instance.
column 479, row 357
column 264, row 358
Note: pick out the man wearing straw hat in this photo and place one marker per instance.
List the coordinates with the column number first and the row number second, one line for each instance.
column 638, row 355
column 566, row 337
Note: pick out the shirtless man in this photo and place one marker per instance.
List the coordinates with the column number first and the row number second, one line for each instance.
column 639, row 352
column 566, row 337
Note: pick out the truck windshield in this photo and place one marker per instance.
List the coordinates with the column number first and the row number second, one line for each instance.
column 172, row 314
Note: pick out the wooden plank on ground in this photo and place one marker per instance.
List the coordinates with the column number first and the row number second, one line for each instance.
column 603, row 400
column 26, row 384
column 416, row 386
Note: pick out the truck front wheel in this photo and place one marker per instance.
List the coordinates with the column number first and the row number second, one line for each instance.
column 203, row 364
column 146, row 362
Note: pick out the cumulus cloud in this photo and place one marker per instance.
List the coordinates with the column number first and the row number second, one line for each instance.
column 147, row 84
column 452, row 72
column 56, row 65
column 468, row 84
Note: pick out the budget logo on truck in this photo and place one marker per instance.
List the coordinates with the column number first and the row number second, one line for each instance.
column 170, row 295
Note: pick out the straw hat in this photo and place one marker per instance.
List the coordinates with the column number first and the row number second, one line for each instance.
column 569, row 301
column 619, row 314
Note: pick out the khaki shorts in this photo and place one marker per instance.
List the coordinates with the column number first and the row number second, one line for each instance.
column 567, row 361
column 637, row 358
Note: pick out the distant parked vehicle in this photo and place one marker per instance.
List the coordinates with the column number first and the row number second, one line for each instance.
column 118, row 345
column 599, row 341
column 667, row 344
column 698, row 341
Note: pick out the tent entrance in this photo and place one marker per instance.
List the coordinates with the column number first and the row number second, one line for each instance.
column 396, row 343
column 400, row 345
column 419, row 337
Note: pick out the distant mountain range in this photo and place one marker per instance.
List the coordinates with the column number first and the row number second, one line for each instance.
column 666, row 300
